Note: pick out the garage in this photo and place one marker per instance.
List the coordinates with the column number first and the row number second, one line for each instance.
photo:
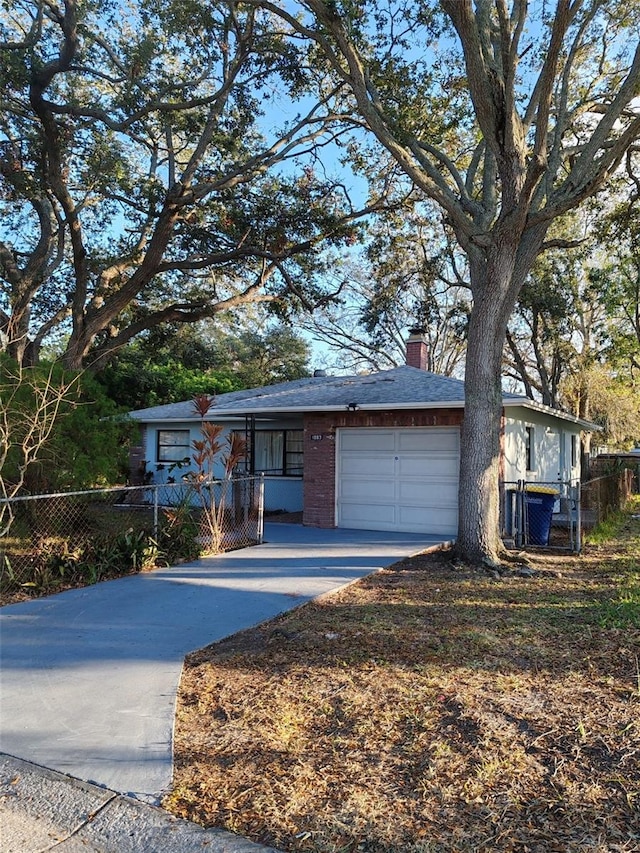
column 404, row 480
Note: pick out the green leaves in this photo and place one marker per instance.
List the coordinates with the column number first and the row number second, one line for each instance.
column 146, row 187
column 59, row 430
column 175, row 364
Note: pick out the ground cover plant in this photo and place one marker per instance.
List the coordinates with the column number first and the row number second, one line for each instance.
column 431, row 707
column 48, row 551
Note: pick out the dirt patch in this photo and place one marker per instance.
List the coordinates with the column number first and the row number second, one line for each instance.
column 430, row 707
column 283, row 517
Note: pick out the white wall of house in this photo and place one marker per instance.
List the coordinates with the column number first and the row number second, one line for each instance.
column 167, row 444
column 540, row 448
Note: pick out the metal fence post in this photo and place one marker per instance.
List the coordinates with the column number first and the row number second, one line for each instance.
column 261, row 510
column 519, row 513
column 156, row 494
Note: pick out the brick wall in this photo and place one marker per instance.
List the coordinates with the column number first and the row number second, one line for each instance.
column 417, row 354
column 319, row 486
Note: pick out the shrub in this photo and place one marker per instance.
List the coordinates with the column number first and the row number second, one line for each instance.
column 60, row 430
column 178, row 534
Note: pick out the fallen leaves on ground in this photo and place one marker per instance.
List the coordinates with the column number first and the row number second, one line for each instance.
column 429, row 707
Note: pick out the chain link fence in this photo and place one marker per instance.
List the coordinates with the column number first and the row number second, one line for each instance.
column 547, row 515
column 607, row 493
column 557, row 514
column 56, row 541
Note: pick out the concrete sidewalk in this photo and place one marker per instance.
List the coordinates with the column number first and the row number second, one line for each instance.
column 41, row 810
column 89, row 676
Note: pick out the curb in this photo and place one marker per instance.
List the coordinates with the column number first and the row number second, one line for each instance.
column 42, row 810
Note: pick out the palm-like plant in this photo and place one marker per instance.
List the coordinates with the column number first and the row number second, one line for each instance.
column 207, row 452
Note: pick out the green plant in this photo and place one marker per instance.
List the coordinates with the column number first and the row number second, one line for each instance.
column 611, row 526
column 54, row 563
column 138, row 550
column 58, row 431
column 33, row 400
column 119, row 554
column 53, row 566
column 178, row 534
column 624, row 611
column 606, row 529
column 101, row 559
column 8, row 579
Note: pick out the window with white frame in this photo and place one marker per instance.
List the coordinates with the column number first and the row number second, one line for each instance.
column 173, row 445
column 529, row 447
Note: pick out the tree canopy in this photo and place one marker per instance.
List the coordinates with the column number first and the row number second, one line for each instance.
column 618, row 281
column 563, row 342
column 177, row 363
column 147, row 171
column 58, row 430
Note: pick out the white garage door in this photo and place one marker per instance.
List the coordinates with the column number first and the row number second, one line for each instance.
column 398, row 479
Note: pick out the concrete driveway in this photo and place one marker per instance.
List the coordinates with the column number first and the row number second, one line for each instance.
column 89, row 676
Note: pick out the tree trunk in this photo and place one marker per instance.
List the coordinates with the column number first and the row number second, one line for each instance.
column 479, row 508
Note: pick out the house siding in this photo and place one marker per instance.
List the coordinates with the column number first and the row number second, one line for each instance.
column 319, row 486
column 138, row 458
column 551, row 450
column 282, row 493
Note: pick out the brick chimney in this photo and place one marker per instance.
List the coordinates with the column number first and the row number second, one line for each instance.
column 417, row 349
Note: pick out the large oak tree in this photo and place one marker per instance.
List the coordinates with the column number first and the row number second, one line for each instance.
column 147, row 171
column 508, row 115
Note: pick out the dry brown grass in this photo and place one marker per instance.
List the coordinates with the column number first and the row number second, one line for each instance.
column 429, row 707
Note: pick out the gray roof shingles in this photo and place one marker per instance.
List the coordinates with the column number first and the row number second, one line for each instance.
column 401, row 386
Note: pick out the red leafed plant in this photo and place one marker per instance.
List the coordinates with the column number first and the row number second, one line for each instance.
column 206, row 452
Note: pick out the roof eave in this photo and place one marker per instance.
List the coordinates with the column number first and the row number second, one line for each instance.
column 525, row 403
column 282, row 411
column 230, row 414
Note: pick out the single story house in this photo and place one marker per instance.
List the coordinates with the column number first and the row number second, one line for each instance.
column 377, row 451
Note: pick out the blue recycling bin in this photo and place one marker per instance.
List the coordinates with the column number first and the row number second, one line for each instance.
column 539, row 508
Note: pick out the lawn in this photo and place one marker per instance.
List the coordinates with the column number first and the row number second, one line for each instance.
column 429, row 707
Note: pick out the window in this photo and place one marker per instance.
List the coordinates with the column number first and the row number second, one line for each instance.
column 293, row 452
column 279, row 452
column 574, row 451
column 173, row 445
column 529, row 447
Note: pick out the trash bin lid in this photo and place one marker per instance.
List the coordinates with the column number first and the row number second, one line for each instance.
column 543, row 490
